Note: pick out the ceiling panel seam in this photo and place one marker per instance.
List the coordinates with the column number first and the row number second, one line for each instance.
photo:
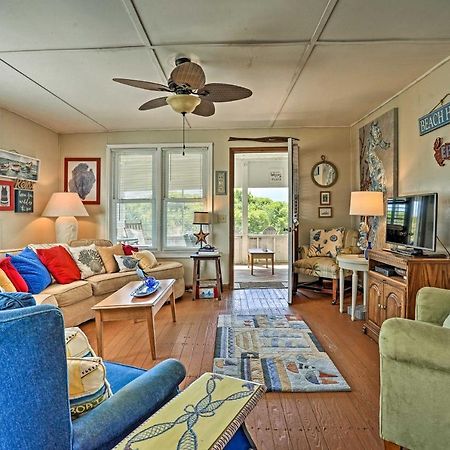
column 52, row 93
column 324, row 18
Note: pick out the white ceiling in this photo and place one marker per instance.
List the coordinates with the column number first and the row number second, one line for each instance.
column 308, row 62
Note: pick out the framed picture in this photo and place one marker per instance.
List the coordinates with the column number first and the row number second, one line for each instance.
column 221, row 182
column 325, row 211
column 325, row 197
column 6, row 195
column 14, row 165
column 82, row 175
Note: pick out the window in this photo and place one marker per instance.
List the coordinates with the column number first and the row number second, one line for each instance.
column 158, row 182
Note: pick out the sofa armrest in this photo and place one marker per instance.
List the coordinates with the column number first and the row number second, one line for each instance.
column 110, row 422
column 303, row 251
column 432, row 305
column 418, row 343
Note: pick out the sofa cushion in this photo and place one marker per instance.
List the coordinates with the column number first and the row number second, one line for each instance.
column 126, row 263
column 318, row 267
column 45, row 299
column 32, row 270
column 146, row 260
column 5, row 283
column 88, row 260
column 107, row 255
column 67, row 294
column 60, row 264
column 106, row 283
column 12, row 273
column 167, row 269
column 326, row 242
column 88, row 386
column 15, row 300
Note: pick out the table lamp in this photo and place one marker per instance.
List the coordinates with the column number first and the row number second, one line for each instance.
column 201, row 218
column 65, row 206
column 366, row 204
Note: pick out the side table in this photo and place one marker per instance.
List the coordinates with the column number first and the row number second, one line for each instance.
column 197, row 257
column 355, row 263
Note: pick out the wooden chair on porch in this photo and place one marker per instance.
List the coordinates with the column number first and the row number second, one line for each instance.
column 134, row 232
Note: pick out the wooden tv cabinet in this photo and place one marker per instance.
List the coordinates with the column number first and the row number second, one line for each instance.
column 395, row 296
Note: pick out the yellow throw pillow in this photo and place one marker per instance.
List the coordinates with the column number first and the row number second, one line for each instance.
column 5, row 282
column 88, row 386
column 107, row 255
column 147, row 260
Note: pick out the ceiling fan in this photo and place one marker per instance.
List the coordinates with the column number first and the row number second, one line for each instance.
column 191, row 94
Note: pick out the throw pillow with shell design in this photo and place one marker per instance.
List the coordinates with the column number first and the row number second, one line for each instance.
column 88, row 260
column 126, row 263
column 326, row 242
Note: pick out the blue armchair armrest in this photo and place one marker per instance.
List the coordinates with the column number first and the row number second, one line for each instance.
column 110, row 422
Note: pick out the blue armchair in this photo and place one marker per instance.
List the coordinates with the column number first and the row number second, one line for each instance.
column 34, row 392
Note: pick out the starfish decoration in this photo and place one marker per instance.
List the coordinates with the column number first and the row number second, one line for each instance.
column 201, row 237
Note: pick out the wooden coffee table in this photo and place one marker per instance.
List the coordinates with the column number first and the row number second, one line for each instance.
column 259, row 253
column 122, row 306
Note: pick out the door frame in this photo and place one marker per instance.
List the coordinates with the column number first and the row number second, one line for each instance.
column 234, row 151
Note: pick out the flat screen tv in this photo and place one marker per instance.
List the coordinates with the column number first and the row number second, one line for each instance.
column 411, row 222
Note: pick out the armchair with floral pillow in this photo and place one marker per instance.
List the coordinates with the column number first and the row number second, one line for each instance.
column 318, row 259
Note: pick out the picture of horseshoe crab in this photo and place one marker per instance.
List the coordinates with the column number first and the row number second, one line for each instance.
column 82, row 175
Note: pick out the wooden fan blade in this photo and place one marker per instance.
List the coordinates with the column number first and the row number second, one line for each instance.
column 154, row 103
column 221, row 92
column 189, row 74
column 148, row 85
column 205, row 108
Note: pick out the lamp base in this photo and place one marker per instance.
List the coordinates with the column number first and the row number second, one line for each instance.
column 66, row 228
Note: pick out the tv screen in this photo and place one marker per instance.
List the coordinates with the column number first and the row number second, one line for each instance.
column 411, row 221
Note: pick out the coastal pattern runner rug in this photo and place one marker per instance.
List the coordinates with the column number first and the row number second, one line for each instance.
column 279, row 351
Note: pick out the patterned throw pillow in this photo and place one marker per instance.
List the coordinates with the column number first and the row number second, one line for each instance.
column 326, row 242
column 88, row 260
column 126, row 263
column 77, row 344
column 88, row 386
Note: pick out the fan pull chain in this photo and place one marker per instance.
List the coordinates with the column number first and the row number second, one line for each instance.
column 184, row 120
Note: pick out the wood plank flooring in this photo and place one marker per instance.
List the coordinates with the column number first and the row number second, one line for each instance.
column 294, row 421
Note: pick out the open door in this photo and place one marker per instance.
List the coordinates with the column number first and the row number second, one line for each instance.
column 293, row 212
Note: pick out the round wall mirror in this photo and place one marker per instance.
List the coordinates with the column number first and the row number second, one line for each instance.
column 324, row 173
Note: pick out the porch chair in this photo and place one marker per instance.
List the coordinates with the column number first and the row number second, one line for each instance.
column 134, row 230
column 322, row 264
column 415, row 375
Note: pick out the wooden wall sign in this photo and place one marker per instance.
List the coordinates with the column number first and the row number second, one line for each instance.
column 441, row 151
column 24, row 185
column 434, row 119
column 23, row 201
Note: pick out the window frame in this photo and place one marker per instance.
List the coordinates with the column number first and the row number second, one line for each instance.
column 159, row 192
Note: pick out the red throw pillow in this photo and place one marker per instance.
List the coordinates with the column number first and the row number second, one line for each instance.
column 129, row 249
column 13, row 275
column 60, row 264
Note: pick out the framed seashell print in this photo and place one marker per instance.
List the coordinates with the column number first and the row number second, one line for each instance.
column 82, row 175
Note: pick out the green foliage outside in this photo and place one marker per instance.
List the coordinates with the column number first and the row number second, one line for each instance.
column 262, row 213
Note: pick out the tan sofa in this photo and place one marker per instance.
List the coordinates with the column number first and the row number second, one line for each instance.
column 77, row 298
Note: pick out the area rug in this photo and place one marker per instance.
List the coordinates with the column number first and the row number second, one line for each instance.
column 260, row 285
column 279, row 351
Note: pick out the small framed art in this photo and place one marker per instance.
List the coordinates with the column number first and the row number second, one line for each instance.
column 6, row 195
column 221, row 182
column 325, row 211
column 82, row 175
column 325, row 197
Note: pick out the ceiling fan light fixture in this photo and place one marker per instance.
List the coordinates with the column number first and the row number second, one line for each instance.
column 183, row 103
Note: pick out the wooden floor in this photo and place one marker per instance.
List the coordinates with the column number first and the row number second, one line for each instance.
column 341, row 420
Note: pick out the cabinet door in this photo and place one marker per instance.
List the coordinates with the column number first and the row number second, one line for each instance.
column 375, row 300
column 394, row 301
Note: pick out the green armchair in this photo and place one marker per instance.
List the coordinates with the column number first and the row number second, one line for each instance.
column 415, row 375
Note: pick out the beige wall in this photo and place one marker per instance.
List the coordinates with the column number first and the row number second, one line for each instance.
column 418, row 171
column 28, row 138
column 332, row 142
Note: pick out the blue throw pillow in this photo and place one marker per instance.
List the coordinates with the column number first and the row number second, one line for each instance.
column 35, row 274
column 14, row 300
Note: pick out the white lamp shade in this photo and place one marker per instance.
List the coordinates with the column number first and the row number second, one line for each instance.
column 65, row 204
column 202, row 217
column 183, row 103
column 366, row 203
